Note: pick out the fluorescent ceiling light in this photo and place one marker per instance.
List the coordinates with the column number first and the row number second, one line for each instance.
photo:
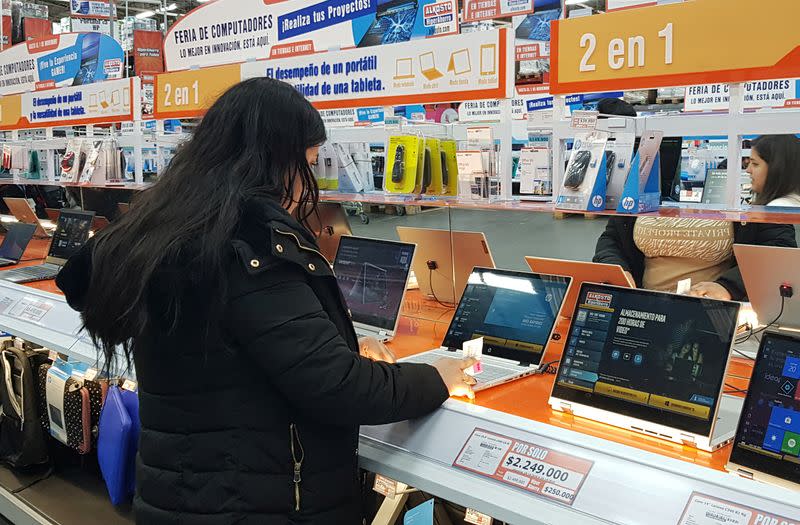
column 145, row 14
column 575, row 2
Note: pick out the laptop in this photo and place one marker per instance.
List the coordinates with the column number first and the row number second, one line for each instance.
column 394, row 22
column 15, row 242
column 514, row 312
column 767, row 442
column 427, row 64
column 580, row 272
column 445, row 260
column 651, row 362
column 24, row 212
column 72, row 232
column 373, row 275
column 763, row 287
column 329, row 226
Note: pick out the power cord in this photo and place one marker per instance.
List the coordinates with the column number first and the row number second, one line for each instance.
column 733, row 390
column 548, row 368
column 432, row 265
column 786, row 292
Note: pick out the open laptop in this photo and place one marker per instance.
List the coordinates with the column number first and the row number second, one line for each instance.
column 763, row 286
column 767, row 442
column 373, row 275
column 24, row 212
column 650, row 362
column 329, row 226
column 445, row 260
column 15, row 242
column 72, row 232
column 580, row 272
column 514, row 312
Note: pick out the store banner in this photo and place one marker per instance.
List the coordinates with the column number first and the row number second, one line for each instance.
column 111, row 101
column 58, row 61
column 232, row 31
column 532, row 33
column 350, row 117
column 147, row 52
column 659, row 46
column 757, row 95
column 90, row 25
column 476, row 10
column 90, row 8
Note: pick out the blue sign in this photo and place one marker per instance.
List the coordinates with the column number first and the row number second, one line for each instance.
column 90, row 60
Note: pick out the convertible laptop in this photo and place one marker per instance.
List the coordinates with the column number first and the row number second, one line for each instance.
column 15, row 242
column 514, row 312
column 329, row 227
column 650, row 362
column 580, row 272
column 767, row 443
column 445, row 260
column 24, row 212
column 764, row 287
column 71, row 234
column 373, row 276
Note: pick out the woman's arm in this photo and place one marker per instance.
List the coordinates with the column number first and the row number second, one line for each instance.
column 609, row 246
column 281, row 325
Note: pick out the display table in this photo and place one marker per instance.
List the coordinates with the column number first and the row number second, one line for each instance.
column 630, row 478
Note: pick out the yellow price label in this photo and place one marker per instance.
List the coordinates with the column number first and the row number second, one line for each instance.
column 676, row 45
column 184, row 94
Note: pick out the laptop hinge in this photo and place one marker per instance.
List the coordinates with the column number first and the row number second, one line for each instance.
column 744, row 473
column 566, row 407
column 688, row 440
column 383, row 333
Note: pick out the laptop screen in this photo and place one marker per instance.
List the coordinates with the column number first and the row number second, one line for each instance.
column 514, row 312
column 768, row 438
column 372, row 275
column 71, row 233
column 16, row 240
column 648, row 355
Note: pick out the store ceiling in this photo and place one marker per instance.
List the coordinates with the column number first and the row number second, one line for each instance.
column 60, row 8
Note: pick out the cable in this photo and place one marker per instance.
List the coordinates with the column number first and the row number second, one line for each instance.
column 763, row 328
column 743, row 354
column 734, row 390
column 548, row 368
column 431, row 267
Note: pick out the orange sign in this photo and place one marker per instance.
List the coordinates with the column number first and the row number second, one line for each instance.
column 676, row 45
column 185, row 94
column 10, row 111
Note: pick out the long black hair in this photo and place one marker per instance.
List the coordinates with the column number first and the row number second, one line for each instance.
column 251, row 143
column 782, row 155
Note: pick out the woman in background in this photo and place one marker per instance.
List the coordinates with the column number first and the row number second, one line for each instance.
column 775, row 170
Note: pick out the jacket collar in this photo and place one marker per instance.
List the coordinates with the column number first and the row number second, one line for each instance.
column 266, row 214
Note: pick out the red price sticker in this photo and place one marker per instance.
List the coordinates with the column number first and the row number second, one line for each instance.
column 385, row 486
column 707, row 510
column 537, row 469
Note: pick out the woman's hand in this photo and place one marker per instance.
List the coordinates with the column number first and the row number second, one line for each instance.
column 452, row 371
column 711, row 291
column 371, row 348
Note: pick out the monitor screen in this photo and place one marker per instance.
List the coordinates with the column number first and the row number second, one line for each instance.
column 16, row 240
column 768, row 438
column 653, row 356
column 372, row 275
column 71, row 233
column 514, row 312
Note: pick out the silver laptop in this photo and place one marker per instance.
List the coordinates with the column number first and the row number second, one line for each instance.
column 764, row 287
column 514, row 312
column 650, row 362
column 72, row 232
column 373, row 276
column 767, row 443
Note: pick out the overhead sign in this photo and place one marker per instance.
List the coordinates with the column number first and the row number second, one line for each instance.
column 676, row 45
column 147, row 52
column 59, row 61
column 90, row 8
column 758, row 94
column 475, row 10
column 111, row 101
column 232, row 31
column 451, row 68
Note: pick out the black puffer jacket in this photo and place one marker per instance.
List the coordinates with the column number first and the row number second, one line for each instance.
column 265, row 432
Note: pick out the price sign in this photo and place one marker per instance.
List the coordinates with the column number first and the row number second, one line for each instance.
column 658, row 46
column 477, row 518
column 539, row 470
column 706, row 510
column 385, row 486
column 30, row 309
column 190, row 93
column 582, row 120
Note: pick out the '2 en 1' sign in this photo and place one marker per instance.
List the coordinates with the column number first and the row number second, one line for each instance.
column 676, row 45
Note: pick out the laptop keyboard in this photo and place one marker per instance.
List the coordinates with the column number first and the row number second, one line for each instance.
column 490, row 373
column 30, row 274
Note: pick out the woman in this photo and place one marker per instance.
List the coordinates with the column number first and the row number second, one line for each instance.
column 251, row 384
column 775, row 170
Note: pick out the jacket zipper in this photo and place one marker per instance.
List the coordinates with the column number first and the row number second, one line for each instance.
column 17, row 406
column 300, row 245
column 294, row 437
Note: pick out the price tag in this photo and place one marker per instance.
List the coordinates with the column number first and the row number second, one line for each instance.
column 706, row 510
column 584, row 120
column 90, row 374
column 129, row 385
column 537, row 469
column 542, row 118
column 30, row 309
column 385, row 486
column 479, row 136
column 5, row 303
column 474, row 349
column 475, row 517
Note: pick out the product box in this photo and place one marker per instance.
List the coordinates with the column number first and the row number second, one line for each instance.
column 535, row 174
column 642, row 192
column 619, row 157
column 448, row 149
column 584, row 184
column 327, row 168
column 404, row 164
column 432, row 177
